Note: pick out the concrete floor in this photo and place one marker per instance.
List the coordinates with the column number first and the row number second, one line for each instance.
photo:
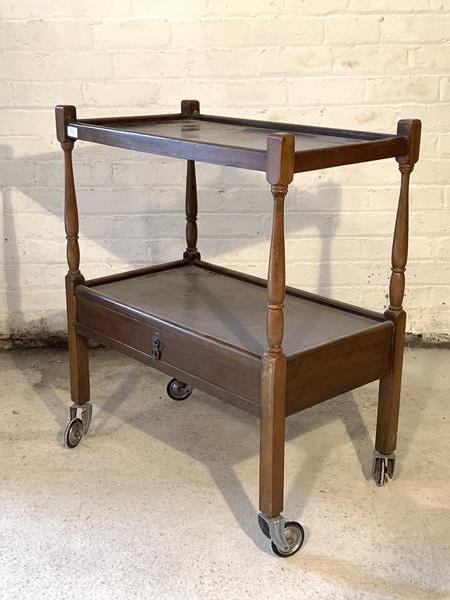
column 160, row 500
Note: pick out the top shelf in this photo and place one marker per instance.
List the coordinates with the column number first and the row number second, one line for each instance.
column 236, row 142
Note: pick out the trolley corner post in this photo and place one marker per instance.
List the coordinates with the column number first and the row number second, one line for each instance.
column 188, row 109
column 78, row 347
column 390, row 385
column 286, row 537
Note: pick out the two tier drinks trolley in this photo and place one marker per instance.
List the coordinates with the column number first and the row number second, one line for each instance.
column 267, row 348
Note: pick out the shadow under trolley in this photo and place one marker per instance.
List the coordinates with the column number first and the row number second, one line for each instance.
column 267, row 348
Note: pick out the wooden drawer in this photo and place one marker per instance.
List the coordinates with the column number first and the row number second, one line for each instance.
column 198, row 358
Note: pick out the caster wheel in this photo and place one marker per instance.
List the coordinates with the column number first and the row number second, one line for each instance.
column 295, row 535
column 74, row 433
column 177, row 390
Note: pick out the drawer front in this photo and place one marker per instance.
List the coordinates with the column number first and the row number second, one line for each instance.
column 206, row 359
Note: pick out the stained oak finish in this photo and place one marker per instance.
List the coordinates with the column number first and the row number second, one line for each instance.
column 236, row 142
column 214, row 330
column 232, row 135
column 390, row 386
column 78, row 349
column 191, row 206
column 279, row 173
column 258, row 344
column 188, row 109
column 224, row 366
column 232, row 311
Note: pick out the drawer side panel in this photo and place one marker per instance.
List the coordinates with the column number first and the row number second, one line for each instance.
column 325, row 372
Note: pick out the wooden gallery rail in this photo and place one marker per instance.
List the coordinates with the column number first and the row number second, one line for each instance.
column 267, row 348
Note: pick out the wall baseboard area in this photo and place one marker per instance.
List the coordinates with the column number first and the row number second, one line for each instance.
column 413, row 340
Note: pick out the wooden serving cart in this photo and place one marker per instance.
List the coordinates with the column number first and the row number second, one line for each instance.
column 267, row 348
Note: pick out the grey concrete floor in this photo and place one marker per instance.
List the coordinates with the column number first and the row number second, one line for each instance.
column 159, row 501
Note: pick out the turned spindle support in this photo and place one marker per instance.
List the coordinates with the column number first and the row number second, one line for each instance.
column 390, row 385
column 78, row 349
column 400, row 242
column 190, row 108
column 71, row 216
column 280, row 171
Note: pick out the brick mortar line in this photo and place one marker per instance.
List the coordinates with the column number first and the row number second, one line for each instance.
column 210, row 15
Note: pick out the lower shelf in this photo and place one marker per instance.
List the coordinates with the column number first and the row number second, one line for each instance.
column 211, row 323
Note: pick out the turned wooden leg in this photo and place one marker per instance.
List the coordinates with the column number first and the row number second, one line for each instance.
column 78, row 349
column 286, row 536
column 273, row 377
column 390, row 385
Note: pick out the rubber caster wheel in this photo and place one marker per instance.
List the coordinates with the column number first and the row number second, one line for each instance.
column 295, row 535
column 383, row 470
column 73, row 433
column 177, row 390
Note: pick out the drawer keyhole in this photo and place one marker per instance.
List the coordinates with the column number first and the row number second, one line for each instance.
column 156, row 348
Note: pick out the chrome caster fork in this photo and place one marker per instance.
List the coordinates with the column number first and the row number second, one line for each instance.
column 383, row 467
column 77, row 427
column 286, row 537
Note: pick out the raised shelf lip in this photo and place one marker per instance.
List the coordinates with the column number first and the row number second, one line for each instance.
column 294, row 127
column 94, row 130
column 367, row 147
column 252, row 279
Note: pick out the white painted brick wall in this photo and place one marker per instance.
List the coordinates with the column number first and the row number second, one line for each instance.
column 346, row 63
